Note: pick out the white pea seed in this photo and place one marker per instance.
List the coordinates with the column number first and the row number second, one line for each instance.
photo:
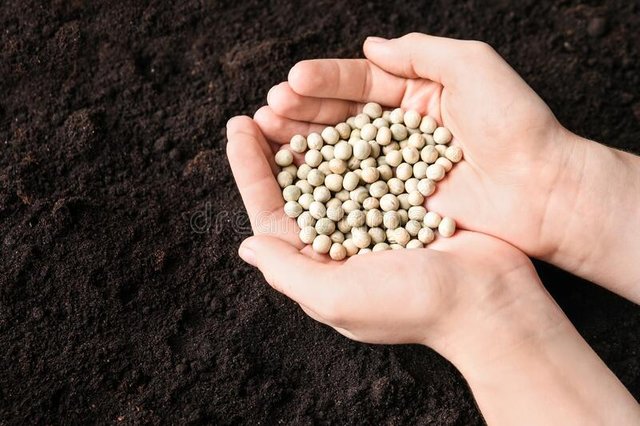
column 334, row 182
column 447, row 227
column 350, row 181
column 396, row 186
column 327, row 152
column 383, row 136
column 305, row 186
column 355, row 135
column 305, row 219
column 377, row 235
column 370, row 203
column 404, row 144
column 417, row 213
column 361, row 120
column 372, row 109
column 396, row 247
column 364, row 251
column 313, row 158
column 416, row 141
column 324, row 168
column 322, row 244
column 453, row 153
column 343, row 226
column 284, row 179
column 380, row 123
column 404, row 216
column 442, row 135
column 380, row 247
column 303, row 171
column 385, row 172
column 404, row 171
column 305, row 200
column 314, row 141
column 351, row 121
column 391, row 220
column 315, row 177
column 420, row 170
column 412, row 119
column 428, row 124
column 426, row 187
column 368, row 162
column 378, row 189
column 429, row 139
column 374, row 218
column 361, row 149
column 330, row 135
column 444, row 162
column 393, row 146
column 321, row 194
column 414, row 244
column 396, row 116
column 413, row 227
column 426, row 235
column 325, row 226
column 342, row 195
column 441, row 149
column 360, row 237
column 400, row 236
column 298, row 143
column 368, row 132
column 432, row 220
column 291, row 193
column 308, row 234
column 349, row 206
column 393, row 158
column 403, row 199
column 337, row 237
column 356, row 218
column 334, row 202
column 292, row 169
column 337, row 251
column 416, row 198
column 292, row 209
column 284, row 158
column 359, row 194
column 398, row 131
column 370, row 174
column 429, row 154
column 350, row 247
column 337, row 166
column 435, row 172
column 375, row 150
column 410, row 155
column 342, row 151
column 335, row 213
column 317, row 210
column 344, row 130
column 386, row 114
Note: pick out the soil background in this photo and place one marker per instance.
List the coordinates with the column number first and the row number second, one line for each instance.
column 122, row 298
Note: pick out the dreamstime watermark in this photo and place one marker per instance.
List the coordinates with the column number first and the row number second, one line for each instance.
column 205, row 220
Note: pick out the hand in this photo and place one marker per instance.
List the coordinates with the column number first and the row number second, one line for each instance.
column 510, row 138
column 473, row 298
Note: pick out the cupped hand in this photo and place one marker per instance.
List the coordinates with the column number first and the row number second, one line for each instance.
column 448, row 296
column 513, row 146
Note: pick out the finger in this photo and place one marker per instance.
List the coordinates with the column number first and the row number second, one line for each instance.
column 254, row 176
column 287, row 103
column 304, row 280
column 280, row 129
column 444, row 60
column 349, row 79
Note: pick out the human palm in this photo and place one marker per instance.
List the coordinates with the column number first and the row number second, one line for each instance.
column 509, row 136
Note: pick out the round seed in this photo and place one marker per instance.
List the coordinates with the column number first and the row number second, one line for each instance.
column 314, row 141
column 398, row 131
column 303, row 171
column 361, row 149
column 417, row 213
column 393, row 158
column 356, row 218
column 317, row 210
column 404, row 171
column 315, row 177
column 335, row 213
column 428, row 124
column 322, row 244
column 374, row 218
column 377, row 235
column 429, row 154
column 442, row 135
column 327, row 152
column 313, row 158
column 453, row 153
column 305, row 200
column 321, row 194
column 372, row 109
column 370, row 203
column 391, row 219
column 447, row 227
column 337, row 237
column 350, row 247
column 298, row 143
column 426, row 235
column 292, row 209
column 383, row 136
column 432, row 220
column 307, row 234
column 413, row 227
column 330, row 135
column 343, row 151
column 420, row 170
column 435, row 172
column 349, row 206
column 344, row 130
column 426, row 187
column 360, row 237
column 380, row 247
column 410, row 155
column 414, row 244
column 396, row 116
column 305, row 186
column 412, row 119
column 337, row 251
column 325, row 226
column 385, row 172
column 370, row 174
column 416, row 141
column 368, row 132
column 444, row 162
column 378, row 189
column 305, row 219
column 284, row 179
column 291, row 193
column 284, row 158
column 334, row 182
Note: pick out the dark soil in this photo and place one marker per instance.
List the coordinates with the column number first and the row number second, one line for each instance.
column 114, row 309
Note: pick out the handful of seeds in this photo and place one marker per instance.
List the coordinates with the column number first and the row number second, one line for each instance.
column 363, row 183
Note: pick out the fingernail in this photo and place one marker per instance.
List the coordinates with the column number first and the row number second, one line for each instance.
column 247, row 254
column 376, row 39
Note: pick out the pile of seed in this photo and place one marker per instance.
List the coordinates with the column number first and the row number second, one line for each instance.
column 362, row 184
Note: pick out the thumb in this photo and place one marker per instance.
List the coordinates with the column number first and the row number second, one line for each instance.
column 297, row 276
column 415, row 55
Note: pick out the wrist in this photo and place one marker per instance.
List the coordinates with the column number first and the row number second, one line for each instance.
column 591, row 220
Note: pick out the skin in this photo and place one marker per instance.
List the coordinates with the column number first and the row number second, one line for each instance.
column 474, row 298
